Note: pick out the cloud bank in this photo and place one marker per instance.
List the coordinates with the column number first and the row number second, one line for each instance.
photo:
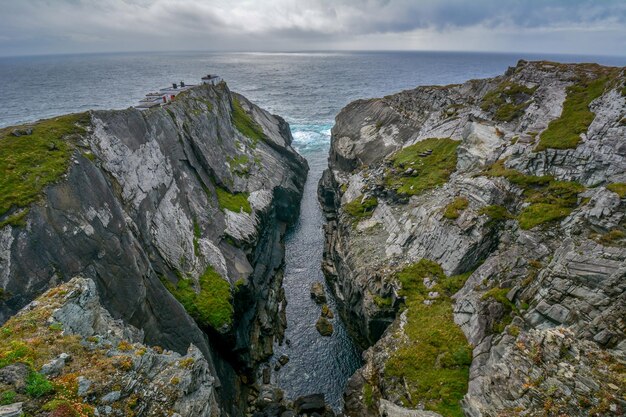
column 61, row 26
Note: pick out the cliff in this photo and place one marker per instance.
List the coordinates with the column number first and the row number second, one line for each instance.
column 176, row 215
column 475, row 241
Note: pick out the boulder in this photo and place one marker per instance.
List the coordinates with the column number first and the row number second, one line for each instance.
column 310, row 403
column 318, row 293
column 324, row 326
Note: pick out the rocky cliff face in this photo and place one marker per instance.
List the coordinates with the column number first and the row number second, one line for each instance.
column 497, row 207
column 176, row 214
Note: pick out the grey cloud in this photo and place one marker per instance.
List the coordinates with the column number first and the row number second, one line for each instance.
column 73, row 25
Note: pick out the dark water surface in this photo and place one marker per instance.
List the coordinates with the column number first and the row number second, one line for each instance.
column 307, row 89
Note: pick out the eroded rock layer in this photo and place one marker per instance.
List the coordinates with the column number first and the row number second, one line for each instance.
column 498, row 206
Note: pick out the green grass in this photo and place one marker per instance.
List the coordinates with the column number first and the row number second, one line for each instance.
column 430, row 171
column 29, row 163
column 550, row 200
column 233, row 202
column 382, row 302
column 495, row 213
column 540, row 213
column 7, row 397
column 564, row 132
column 37, row 385
column 211, row 304
column 245, row 124
column 618, row 187
column 368, row 395
column 16, row 220
column 239, row 165
column 360, row 210
column 507, row 101
column 434, row 363
column 454, row 209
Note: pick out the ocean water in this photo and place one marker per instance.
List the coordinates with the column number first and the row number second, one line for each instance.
column 307, row 89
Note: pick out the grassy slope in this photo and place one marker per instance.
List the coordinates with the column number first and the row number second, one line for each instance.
column 434, row 362
column 29, row 163
column 429, row 171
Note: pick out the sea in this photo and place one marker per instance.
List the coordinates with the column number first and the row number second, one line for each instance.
column 308, row 90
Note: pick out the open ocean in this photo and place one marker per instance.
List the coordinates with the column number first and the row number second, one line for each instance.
column 308, row 90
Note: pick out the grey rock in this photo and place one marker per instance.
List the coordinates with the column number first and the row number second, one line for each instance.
column 11, row 410
column 318, row 293
column 15, row 375
column 111, row 397
column 83, row 386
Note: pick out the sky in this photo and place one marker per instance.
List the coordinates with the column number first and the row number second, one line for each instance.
column 33, row 27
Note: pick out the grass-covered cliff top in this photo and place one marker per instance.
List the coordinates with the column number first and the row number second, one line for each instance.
column 31, row 161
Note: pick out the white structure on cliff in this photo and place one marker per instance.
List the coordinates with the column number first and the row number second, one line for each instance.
column 166, row 95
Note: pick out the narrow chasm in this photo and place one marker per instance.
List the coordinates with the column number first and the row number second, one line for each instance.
column 306, row 362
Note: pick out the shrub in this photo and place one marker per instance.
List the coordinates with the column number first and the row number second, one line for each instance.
column 37, row 385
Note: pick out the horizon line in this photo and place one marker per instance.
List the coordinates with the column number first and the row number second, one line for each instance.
column 312, row 51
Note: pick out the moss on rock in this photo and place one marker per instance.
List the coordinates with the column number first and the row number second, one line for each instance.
column 431, row 162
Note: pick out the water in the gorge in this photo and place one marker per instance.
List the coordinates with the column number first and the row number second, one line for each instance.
column 307, row 89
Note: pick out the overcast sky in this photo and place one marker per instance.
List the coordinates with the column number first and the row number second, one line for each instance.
column 552, row 26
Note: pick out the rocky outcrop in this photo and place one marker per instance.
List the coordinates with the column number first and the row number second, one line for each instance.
column 514, row 186
column 177, row 215
column 99, row 364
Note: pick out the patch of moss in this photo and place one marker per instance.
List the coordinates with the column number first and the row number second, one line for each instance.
column 29, row 163
column 382, row 302
column 549, row 199
column 619, row 188
column 454, row 209
column 210, row 304
column 429, row 171
column 368, row 395
column 196, row 237
column 434, row 363
column 7, row 397
column 495, row 213
column 507, row 101
column 233, row 202
column 541, row 213
column 361, row 209
column 245, row 124
column 564, row 132
column 610, row 238
column 15, row 220
column 239, row 165
column 499, row 295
